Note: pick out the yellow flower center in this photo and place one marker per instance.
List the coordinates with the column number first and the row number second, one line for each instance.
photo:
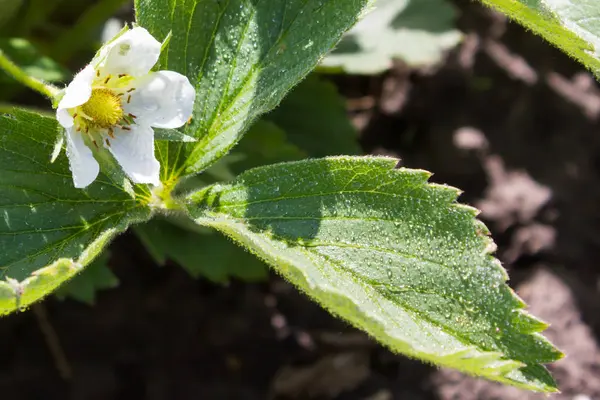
column 103, row 108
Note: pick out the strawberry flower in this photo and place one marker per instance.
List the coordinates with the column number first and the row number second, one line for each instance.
column 114, row 103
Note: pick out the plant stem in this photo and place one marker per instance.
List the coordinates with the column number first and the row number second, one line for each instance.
column 33, row 83
column 53, row 342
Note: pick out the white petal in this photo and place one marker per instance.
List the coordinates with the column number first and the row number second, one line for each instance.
column 84, row 166
column 79, row 90
column 163, row 99
column 134, row 150
column 134, row 53
column 64, row 118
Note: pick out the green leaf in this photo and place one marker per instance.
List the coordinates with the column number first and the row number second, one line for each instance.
column 414, row 31
column 242, row 56
column 265, row 143
column 394, row 255
column 573, row 26
column 314, row 117
column 172, row 135
column 200, row 252
column 48, row 229
column 23, row 53
column 95, row 277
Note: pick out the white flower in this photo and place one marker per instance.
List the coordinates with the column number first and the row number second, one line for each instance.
column 115, row 102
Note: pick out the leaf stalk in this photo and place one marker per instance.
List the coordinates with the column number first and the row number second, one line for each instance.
column 21, row 76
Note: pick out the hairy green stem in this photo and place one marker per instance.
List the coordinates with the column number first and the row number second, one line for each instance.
column 21, row 76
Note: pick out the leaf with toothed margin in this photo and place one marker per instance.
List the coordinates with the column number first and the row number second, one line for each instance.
column 18, row 295
column 571, row 25
column 49, row 229
column 242, row 57
column 391, row 253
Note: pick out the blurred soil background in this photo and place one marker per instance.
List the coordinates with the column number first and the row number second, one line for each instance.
column 507, row 118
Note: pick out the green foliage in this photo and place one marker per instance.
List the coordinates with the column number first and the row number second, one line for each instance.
column 265, row 143
column 27, row 57
column 392, row 254
column 315, row 119
column 83, row 287
column 380, row 247
column 44, row 218
column 414, row 31
column 573, row 26
column 201, row 252
column 242, row 56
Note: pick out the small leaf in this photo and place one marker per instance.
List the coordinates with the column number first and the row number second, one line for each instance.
column 314, row 118
column 242, row 57
column 200, row 252
column 23, row 53
column 172, row 135
column 414, row 31
column 45, row 223
column 95, row 277
column 265, row 143
column 573, row 26
column 394, row 255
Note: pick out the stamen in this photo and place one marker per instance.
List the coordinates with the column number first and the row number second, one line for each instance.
column 128, row 99
column 131, row 90
column 122, row 75
column 103, row 109
column 75, row 115
column 97, row 73
column 132, row 116
column 126, row 128
column 111, row 133
column 107, row 79
column 107, row 142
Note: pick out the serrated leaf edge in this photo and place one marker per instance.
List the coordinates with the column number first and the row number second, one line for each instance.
column 15, row 295
column 498, row 367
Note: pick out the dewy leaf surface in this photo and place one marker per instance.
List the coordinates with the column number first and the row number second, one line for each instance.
column 573, row 25
column 242, row 56
column 44, row 220
column 394, row 255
